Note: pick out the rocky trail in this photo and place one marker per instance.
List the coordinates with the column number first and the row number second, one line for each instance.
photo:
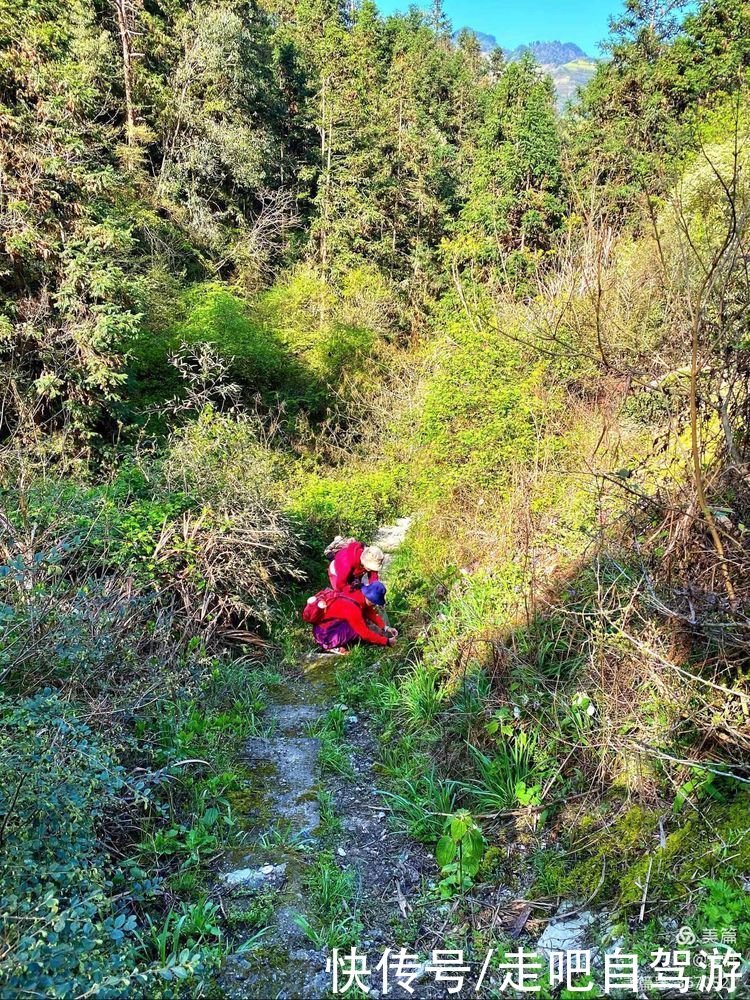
column 286, row 832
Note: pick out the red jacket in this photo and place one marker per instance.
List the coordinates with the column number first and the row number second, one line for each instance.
column 346, row 570
column 353, row 609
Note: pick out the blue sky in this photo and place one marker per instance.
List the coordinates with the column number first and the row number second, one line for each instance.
column 514, row 22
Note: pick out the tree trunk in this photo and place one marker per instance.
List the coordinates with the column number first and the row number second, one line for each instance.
column 325, row 162
column 125, row 10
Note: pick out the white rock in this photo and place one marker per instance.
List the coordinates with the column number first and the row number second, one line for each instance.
column 566, row 933
column 243, row 876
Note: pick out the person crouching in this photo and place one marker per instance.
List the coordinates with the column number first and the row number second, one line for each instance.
column 352, row 617
column 354, row 566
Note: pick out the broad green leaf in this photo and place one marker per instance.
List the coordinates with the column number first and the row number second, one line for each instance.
column 445, row 851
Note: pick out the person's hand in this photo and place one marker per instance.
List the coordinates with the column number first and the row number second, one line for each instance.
column 391, row 640
column 392, row 632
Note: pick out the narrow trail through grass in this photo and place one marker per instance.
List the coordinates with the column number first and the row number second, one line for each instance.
column 320, row 867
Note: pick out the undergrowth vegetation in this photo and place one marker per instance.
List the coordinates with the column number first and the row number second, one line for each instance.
column 282, row 271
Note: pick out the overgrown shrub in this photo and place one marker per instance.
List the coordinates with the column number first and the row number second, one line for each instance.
column 64, row 931
column 215, row 315
column 200, row 533
column 481, row 406
column 335, row 330
column 210, row 313
column 353, row 503
column 229, row 557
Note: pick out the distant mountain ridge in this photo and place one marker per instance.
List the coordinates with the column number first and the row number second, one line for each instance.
column 568, row 65
column 550, row 53
column 553, row 53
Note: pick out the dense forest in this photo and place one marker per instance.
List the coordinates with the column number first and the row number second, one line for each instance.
column 274, row 270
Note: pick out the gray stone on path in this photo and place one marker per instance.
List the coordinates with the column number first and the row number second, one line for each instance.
column 389, row 537
column 566, row 932
column 252, row 878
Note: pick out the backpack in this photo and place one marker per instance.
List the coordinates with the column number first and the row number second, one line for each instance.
column 337, row 545
column 314, row 611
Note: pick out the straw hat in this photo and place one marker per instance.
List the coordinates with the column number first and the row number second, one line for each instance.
column 372, row 558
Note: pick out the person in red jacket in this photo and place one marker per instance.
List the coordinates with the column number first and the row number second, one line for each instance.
column 355, row 565
column 351, row 617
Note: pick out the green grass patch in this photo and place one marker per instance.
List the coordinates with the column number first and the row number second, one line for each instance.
column 333, row 921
